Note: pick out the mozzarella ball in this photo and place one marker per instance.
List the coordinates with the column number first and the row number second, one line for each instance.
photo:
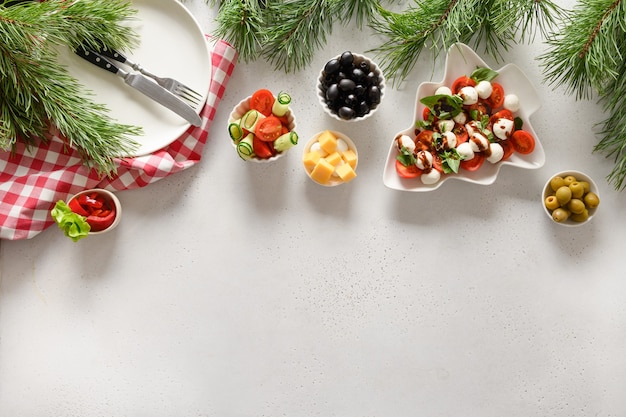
column 443, row 90
column 404, row 141
column 497, row 152
column 424, row 160
column 430, row 177
column 465, row 151
column 511, row 102
column 503, row 128
column 449, row 139
column 316, row 147
column 472, row 127
column 484, row 89
column 460, row 118
column 445, row 125
column 342, row 146
column 469, row 95
column 478, row 142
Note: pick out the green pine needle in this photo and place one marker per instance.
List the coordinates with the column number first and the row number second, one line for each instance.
column 37, row 92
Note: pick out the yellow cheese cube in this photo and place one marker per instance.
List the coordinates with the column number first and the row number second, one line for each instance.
column 322, row 171
column 334, row 159
column 349, row 157
column 327, row 141
column 345, row 172
column 310, row 159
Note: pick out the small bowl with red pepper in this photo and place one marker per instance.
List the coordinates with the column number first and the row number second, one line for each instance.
column 92, row 212
column 262, row 126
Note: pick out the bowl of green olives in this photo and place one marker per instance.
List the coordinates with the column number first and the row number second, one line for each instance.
column 350, row 87
column 570, row 198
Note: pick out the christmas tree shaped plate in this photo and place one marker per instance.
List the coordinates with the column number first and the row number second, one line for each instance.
column 172, row 44
column 462, row 61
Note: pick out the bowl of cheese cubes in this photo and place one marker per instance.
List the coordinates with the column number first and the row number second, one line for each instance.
column 330, row 158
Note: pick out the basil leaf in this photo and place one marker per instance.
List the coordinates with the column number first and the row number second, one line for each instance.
column 518, row 123
column 483, row 74
column 443, row 106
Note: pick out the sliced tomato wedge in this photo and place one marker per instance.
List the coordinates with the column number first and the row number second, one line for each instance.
column 262, row 149
column 507, row 146
column 462, row 81
column 269, row 129
column 496, row 99
column 424, row 140
column 474, row 163
column 262, row 101
column 410, row 171
column 523, row 142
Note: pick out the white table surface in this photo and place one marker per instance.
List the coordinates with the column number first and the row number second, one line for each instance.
column 242, row 289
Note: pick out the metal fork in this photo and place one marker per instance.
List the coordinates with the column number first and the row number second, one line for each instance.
column 170, row 84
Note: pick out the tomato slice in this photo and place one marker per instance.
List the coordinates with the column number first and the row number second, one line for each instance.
column 523, row 142
column 476, row 111
column 502, row 114
column 262, row 149
column 424, row 140
column 507, row 146
column 462, row 81
column 410, row 171
column 269, row 129
column 474, row 163
column 438, row 163
column 496, row 99
column 262, row 101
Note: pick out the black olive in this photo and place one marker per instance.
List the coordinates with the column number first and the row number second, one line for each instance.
column 372, row 78
column 351, row 100
column 373, row 94
column 365, row 66
column 362, row 109
column 347, row 59
column 358, row 75
column 346, row 113
column 347, row 85
column 332, row 66
column 360, row 91
column 332, row 93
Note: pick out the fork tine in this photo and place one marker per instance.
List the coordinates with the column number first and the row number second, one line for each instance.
column 189, row 95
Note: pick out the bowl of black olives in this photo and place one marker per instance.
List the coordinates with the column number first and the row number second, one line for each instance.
column 570, row 198
column 350, row 87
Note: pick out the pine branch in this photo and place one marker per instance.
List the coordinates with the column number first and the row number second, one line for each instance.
column 241, row 22
column 37, row 92
column 584, row 54
column 437, row 24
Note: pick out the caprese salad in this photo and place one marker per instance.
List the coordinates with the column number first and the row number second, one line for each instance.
column 463, row 126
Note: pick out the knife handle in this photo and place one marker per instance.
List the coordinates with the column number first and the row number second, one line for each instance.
column 113, row 54
column 97, row 59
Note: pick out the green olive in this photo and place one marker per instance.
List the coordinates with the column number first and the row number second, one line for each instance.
column 585, row 186
column 580, row 217
column 569, row 179
column 556, row 183
column 560, row 215
column 577, row 189
column 591, row 200
column 564, row 195
column 576, row 206
column 551, row 202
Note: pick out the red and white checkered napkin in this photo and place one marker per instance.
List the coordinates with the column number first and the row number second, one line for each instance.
column 32, row 182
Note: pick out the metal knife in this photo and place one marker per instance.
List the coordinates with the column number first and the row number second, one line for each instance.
column 144, row 85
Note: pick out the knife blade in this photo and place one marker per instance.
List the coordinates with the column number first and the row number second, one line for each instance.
column 144, row 85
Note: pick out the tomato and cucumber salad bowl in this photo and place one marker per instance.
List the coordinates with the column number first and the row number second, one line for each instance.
column 262, row 127
column 461, row 62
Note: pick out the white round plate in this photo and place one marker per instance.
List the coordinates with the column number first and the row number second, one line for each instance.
column 462, row 60
column 172, row 44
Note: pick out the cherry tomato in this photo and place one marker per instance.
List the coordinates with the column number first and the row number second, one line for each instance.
column 262, row 149
column 474, row 163
column 507, row 146
column 478, row 110
column 269, row 129
column 496, row 99
column 502, row 114
column 428, row 115
column 437, row 163
column 262, row 100
column 523, row 142
column 461, row 82
column 410, row 171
